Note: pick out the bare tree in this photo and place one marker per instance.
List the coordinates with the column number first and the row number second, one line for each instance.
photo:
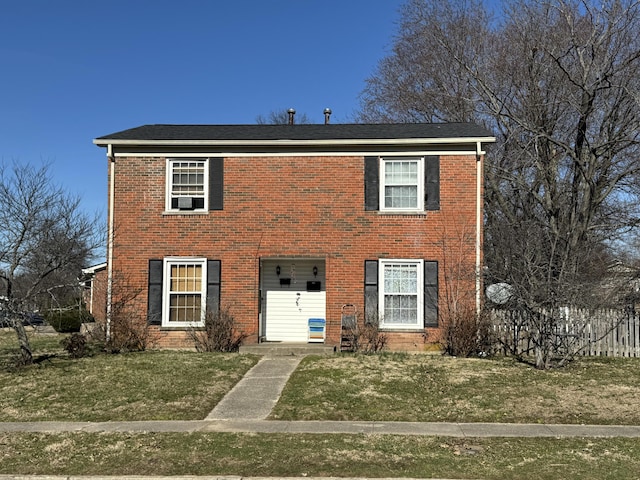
column 464, row 331
column 44, row 242
column 558, row 82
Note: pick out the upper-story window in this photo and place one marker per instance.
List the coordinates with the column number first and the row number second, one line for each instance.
column 402, row 185
column 187, row 184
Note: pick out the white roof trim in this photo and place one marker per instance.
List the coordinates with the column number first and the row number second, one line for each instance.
column 94, row 268
column 222, row 153
column 285, row 142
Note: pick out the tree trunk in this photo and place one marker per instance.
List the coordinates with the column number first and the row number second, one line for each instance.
column 26, row 355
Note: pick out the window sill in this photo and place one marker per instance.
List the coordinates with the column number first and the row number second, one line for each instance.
column 402, row 214
column 170, row 213
column 402, row 330
column 180, row 328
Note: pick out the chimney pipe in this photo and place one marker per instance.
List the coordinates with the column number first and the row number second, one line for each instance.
column 327, row 114
column 291, row 113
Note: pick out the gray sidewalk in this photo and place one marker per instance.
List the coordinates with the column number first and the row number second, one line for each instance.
column 248, row 404
column 473, row 430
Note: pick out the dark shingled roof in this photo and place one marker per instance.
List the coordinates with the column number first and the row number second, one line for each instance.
column 355, row 131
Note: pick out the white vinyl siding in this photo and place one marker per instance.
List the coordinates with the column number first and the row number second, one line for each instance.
column 401, row 293
column 402, row 184
column 184, row 292
column 288, row 314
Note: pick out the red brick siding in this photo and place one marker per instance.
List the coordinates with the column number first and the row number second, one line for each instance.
column 283, row 206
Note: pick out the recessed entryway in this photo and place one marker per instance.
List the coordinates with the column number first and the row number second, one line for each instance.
column 293, row 291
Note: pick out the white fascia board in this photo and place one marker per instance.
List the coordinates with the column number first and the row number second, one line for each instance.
column 94, row 268
column 294, row 143
column 222, row 153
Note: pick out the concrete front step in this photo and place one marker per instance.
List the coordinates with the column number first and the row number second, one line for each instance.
column 281, row 349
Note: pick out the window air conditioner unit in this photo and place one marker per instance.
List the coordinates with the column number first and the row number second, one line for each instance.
column 185, row 203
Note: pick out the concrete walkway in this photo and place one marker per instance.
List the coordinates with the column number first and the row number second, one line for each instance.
column 256, row 394
column 248, row 404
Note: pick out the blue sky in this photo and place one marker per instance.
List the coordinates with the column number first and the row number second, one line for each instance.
column 76, row 70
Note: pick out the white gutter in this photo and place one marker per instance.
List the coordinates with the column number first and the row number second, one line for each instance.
column 220, row 152
column 112, row 167
column 288, row 142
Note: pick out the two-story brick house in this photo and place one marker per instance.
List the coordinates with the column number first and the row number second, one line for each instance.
column 283, row 223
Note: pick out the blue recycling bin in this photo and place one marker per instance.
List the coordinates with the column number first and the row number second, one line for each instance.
column 317, row 330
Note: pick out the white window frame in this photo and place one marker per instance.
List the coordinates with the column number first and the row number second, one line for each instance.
column 419, row 321
column 166, row 290
column 419, row 207
column 169, row 196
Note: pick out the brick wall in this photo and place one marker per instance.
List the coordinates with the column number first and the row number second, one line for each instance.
column 288, row 207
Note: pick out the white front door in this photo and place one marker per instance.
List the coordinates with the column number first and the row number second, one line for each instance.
column 288, row 314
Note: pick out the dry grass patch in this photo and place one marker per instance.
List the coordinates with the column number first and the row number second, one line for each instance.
column 400, row 387
column 166, row 385
column 270, row 455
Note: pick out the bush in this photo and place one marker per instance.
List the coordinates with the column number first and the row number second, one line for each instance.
column 129, row 334
column 75, row 345
column 466, row 333
column 366, row 338
column 68, row 321
column 219, row 333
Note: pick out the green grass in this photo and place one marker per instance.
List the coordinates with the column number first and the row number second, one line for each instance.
column 186, row 385
column 285, row 455
column 155, row 385
column 393, row 387
column 182, row 385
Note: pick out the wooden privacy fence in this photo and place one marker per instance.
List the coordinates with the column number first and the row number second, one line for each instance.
column 605, row 332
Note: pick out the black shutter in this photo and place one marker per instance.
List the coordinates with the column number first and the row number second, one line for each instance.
column 370, row 291
column 432, row 182
column 216, row 183
column 371, row 183
column 430, row 293
column 213, row 286
column 154, row 303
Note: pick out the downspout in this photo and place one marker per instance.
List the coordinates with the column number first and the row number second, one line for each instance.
column 93, row 284
column 479, row 154
column 112, row 166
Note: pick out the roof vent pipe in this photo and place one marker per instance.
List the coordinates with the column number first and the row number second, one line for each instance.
column 327, row 114
column 291, row 113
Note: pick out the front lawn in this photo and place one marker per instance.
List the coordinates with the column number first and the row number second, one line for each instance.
column 401, row 387
column 307, row 455
column 183, row 385
column 153, row 385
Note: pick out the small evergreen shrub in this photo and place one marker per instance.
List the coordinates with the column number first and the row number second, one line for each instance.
column 68, row 321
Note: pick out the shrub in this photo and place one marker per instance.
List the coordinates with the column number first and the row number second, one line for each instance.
column 75, row 344
column 366, row 337
column 466, row 333
column 219, row 333
column 129, row 334
column 129, row 329
column 68, row 320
